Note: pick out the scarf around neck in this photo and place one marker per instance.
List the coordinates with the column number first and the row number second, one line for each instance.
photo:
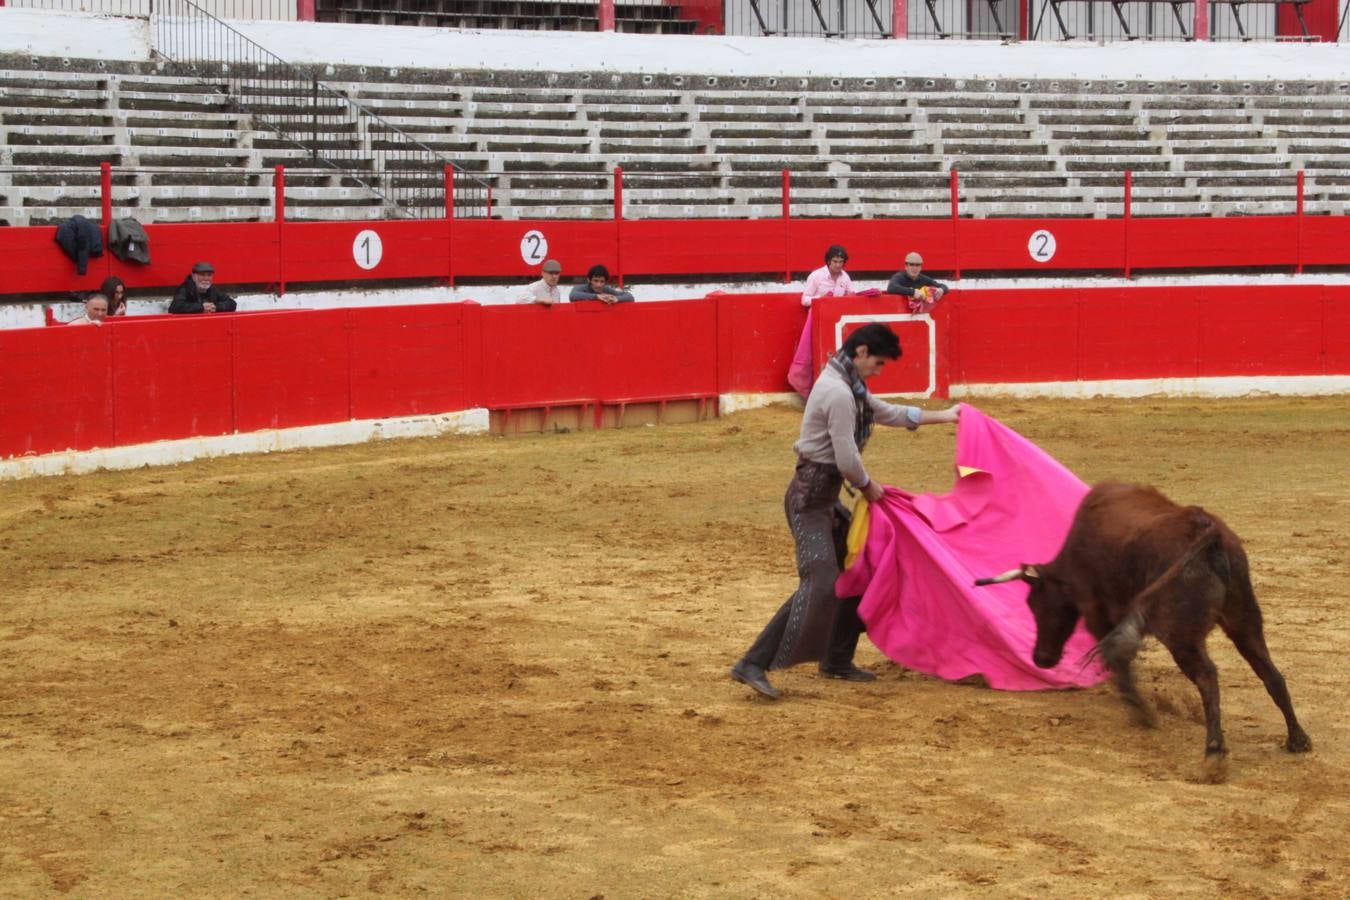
column 862, row 424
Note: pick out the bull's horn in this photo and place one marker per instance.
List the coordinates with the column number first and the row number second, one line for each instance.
column 1010, row 575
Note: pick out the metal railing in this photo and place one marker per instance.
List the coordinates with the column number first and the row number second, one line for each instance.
column 1111, row 20
column 1168, row 20
column 809, row 18
column 276, row 10
column 313, row 125
column 1053, row 20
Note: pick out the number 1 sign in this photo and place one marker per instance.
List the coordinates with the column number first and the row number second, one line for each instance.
column 367, row 249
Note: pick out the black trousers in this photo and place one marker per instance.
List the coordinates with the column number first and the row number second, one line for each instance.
column 813, row 623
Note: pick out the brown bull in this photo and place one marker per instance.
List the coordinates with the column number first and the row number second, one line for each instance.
column 1134, row 563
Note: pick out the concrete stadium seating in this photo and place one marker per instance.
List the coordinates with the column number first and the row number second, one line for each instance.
column 193, row 148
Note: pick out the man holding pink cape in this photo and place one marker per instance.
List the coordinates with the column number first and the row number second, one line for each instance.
column 814, row 624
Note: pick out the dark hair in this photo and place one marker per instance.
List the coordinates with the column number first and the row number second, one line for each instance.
column 597, row 270
column 835, row 250
column 877, row 338
column 109, row 289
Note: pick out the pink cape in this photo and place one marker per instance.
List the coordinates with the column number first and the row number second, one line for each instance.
column 1013, row 504
column 801, row 374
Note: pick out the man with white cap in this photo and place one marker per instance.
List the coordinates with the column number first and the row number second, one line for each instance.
column 545, row 290
column 923, row 292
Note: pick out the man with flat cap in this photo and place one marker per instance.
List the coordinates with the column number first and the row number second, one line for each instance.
column 923, row 292
column 545, row 290
column 197, row 294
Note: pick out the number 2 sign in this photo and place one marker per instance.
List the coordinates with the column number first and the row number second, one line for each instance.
column 1041, row 246
column 367, row 249
column 533, row 247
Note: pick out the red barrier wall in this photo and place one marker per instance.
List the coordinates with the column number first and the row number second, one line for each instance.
column 291, row 370
column 756, row 337
column 414, row 360
column 916, row 372
column 271, row 254
column 597, row 353
column 55, row 389
column 161, row 377
column 1019, row 336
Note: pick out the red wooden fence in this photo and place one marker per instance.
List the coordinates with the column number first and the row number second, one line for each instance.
column 163, row 377
column 267, row 253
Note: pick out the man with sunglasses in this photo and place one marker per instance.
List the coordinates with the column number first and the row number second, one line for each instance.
column 923, row 292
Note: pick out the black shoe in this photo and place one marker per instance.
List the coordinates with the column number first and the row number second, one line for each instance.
column 852, row 673
column 753, row 675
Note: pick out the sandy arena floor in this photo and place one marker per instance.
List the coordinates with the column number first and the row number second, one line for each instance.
column 497, row 667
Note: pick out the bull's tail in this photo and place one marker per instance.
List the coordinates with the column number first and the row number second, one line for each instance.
column 1120, row 644
column 1207, row 545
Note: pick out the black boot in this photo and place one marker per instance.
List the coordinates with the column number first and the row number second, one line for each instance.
column 754, row 676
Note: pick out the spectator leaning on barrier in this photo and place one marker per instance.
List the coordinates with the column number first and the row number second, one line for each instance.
column 544, row 291
column 198, row 295
column 923, row 292
column 116, row 291
column 830, row 280
column 597, row 288
column 95, row 311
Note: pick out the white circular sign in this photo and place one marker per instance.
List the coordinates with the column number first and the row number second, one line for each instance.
column 533, row 247
column 1041, row 246
column 367, row 249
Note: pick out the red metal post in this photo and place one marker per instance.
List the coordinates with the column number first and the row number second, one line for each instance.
column 279, row 211
column 105, row 194
column 899, row 19
column 1200, row 28
column 1125, row 239
column 1023, row 19
column 1298, row 269
column 956, row 219
column 450, row 225
column 606, row 15
column 787, row 231
column 304, row 10
column 618, row 224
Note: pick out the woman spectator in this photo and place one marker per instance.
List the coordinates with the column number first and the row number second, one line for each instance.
column 115, row 289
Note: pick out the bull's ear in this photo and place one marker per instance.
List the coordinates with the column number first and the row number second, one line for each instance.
column 1030, row 573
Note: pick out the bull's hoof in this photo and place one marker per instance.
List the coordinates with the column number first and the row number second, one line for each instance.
column 1298, row 742
column 1215, row 769
column 1142, row 714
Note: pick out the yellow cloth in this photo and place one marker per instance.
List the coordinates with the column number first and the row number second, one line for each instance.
column 857, row 531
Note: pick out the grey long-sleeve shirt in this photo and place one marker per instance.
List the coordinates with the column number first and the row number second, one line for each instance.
column 830, row 419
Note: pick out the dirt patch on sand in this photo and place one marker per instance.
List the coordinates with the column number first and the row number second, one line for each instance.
column 497, row 667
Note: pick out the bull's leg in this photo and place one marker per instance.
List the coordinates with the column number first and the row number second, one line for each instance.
column 1122, row 676
column 1244, row 629
column 1192, row 659
column 1117, row 648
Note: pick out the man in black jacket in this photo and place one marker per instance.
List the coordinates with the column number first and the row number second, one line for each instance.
column 198, row 295
column 923, row 291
